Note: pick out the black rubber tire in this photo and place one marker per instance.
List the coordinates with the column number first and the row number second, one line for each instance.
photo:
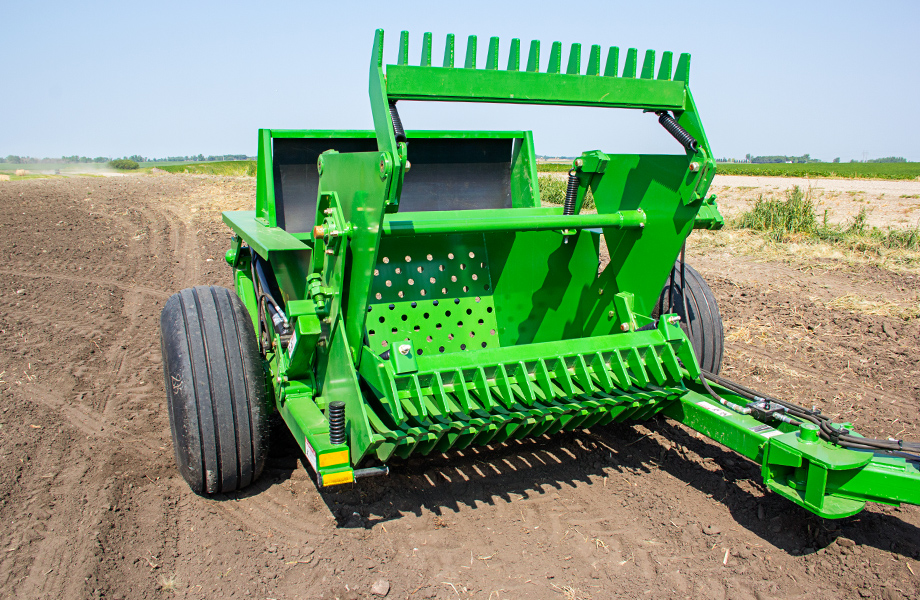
column 215, row 388
column 705, row 332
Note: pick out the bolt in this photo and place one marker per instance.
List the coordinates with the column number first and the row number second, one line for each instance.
column 611, row 314
column 641, row 225
column 694, row 167
column 404, row 349
column 329, row 211
column 330, row 251
column 673, row 319
column 408, row 165
column 319, row 231
column 600, row 292
column 624, row 327
column 579, row 162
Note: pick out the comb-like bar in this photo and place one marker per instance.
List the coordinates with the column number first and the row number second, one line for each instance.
column 574, row 66
column 555, row 58
column 664, row 72
column 611, row 69
column 449, row 51
column 682, row 72
column 470, row 53
column 514, row 55
column 426, row 50
column 492, row 56
column 648, row 65
column 594, row 61
column 629, row 69
column 403, row 58
column 533, row 58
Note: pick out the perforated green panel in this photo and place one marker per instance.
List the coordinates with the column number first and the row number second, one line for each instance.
column 434, row 291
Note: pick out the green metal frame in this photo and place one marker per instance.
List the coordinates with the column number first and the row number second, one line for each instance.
column 444, row 329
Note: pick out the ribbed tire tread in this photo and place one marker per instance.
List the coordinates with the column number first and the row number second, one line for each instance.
column 215, row 389
column 706, row 332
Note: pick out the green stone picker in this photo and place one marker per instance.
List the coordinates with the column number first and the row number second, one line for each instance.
column 405, row 292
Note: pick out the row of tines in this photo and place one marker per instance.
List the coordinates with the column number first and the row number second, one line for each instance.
column 573, row 67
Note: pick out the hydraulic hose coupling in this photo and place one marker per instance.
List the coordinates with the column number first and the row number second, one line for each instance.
column 336, row 422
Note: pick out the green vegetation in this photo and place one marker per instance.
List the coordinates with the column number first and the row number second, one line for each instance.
column 123, row 164
column 888, row 170
column 793, row 219
column 233, row 168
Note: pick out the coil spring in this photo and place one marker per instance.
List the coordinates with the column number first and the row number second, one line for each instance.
column 336, row 416
column 571, row 194
column 679, row 133
column 397, row 124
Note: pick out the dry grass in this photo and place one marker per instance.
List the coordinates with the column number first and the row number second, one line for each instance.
column 168, row 583
column 881, row 308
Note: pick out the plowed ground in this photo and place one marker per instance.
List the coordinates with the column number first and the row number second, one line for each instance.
column 92, row 507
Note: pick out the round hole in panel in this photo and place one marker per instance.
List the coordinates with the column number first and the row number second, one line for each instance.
column 488, row 309
column 419, row 269
column 389, row 283
column 484, row 344
column 386, row 260
column 481, row 322
column 384, row 343
column 379, row 295
column 492, row 332
column 456, row 300
column 475, row 276
column 400, row 293
column 376, row 272
column 430, row 257
column 466, row 288
column 453, row 278
column 408, row 259
column 416, row 328
column 431, row 279
column 440, row 267
column 395, row 330
column 437, row 326
column 478, row 299
column 434, row 302
column 370, row 332
column 472, row 255
column 411, row 281
column 444, row 291
column 469, row 311
column 405, row 317
column 423, row 292
column 459, row 323
column 463, row 346
column 428, row 339
column 441, row 349
column 450, row 255
column 392, row 306
column 446, row 313
column 472, row 334
column 462, row 266
column 450, row 336
column 398, row 270
column 382, row 319
column 370, row 308
column 486, row 287
column 419, row 351
column 425, row 315
column 414, row 304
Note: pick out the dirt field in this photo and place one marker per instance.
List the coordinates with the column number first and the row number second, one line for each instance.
column 92, row 507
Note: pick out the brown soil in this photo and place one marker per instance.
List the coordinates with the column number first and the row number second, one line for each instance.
column 92, row 506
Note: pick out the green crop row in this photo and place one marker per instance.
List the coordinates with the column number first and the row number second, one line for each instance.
column 233, row 168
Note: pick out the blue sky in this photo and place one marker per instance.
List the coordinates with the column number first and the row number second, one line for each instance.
column 173, row 78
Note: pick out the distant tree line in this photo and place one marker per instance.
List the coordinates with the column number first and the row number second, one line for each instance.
column 887, row 159
column 28, row 160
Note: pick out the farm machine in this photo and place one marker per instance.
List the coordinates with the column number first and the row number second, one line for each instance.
column 402, row 292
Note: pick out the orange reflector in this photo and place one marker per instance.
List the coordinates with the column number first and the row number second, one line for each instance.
column 338, row 478
column 339, row 457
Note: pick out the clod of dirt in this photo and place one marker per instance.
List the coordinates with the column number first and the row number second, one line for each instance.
column 711, row 530
column 381, row 587
column 845, row 542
